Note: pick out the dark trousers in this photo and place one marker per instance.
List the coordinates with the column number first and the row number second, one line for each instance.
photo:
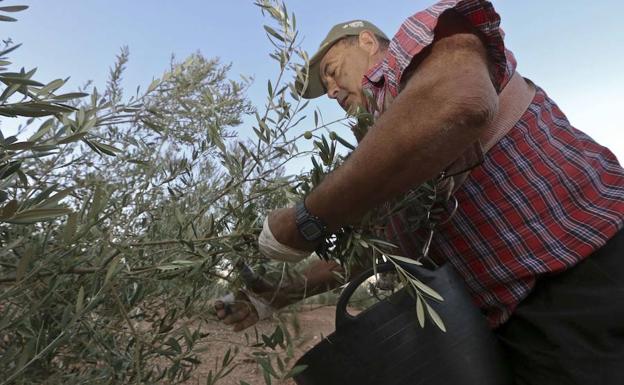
column 570, row 330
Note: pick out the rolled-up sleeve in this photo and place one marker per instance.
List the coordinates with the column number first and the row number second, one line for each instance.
column 418, row 31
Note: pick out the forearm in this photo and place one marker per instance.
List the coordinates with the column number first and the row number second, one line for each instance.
column 443, row 109
column 318, row 277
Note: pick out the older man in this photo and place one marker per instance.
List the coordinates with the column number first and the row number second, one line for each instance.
column 538, row 234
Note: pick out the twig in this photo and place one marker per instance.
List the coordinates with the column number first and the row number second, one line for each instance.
column 73, row 270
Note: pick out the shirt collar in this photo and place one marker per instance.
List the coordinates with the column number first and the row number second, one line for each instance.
column 374, row 74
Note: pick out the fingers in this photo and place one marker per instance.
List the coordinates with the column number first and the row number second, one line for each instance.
column 250, row 320
column 222, row 309
column 239, row 311
column 239, row 314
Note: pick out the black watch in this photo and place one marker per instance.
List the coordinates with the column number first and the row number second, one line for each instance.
column 311, row 227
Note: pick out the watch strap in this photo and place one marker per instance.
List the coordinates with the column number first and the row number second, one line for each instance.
column 311, row 227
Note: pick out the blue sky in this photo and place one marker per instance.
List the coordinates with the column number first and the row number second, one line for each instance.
column 572, row 49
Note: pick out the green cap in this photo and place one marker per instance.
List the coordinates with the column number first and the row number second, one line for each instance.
column 350, row 28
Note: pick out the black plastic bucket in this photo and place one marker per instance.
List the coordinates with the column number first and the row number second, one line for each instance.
column 385, row 345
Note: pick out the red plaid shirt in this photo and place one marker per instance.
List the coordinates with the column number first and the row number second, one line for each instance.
column 545, row 197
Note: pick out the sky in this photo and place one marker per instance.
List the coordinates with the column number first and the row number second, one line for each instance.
column 573, row 49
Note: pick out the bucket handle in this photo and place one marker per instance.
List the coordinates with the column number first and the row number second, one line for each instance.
column 343, row 318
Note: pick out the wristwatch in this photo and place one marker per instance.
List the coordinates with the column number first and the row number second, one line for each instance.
column 311, row 227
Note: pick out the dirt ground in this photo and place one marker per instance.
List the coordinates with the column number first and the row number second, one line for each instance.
column 315, row 323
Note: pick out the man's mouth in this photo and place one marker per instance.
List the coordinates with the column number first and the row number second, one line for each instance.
column 341, row 98
column 343, row 101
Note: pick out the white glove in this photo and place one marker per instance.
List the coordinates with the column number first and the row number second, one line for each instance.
column 263, row 309
column 272, row 248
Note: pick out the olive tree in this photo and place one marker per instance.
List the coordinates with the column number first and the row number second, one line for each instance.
column 124, row 217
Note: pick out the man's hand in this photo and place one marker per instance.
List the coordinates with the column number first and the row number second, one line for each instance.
column 240, row 313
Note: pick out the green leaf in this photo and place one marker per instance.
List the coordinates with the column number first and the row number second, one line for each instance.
column 178, row 215
column 55, row 198
column 19, row 80
column 20, row 146
column 80, row 300
column 296, row 370
column 37, row 215
column 43, row 129
column 9, row 209
column 69, row 96
column 45, row 148
column 9, row 91
column 98, row 202
column 14, row 8
column 34, row 109
column 427, row 290
column 274, row 33
column 11, row 49
column 43, row 194
column 403, row 259
column 153, row 85
column 70, row 228
column 436, row 318
column 23, row 264
column 9, row 169
column 265, row 363
column 22, row 177
column 420, row 311
column 226, row 358
column 111, row 269
column 73, row 137
column 7, row 18
column 174, row 344
column 344, row 142
column 105, row 148
column 51, row 87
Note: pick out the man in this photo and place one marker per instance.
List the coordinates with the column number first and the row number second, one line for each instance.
column 538, row 234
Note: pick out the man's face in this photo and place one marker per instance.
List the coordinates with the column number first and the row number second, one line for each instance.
column 342, row 69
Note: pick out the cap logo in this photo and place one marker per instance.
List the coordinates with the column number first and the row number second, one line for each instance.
column 353, row 24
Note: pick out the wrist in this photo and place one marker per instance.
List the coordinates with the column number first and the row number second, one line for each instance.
column 283, row 224
column 312, row 228
column 263, row 308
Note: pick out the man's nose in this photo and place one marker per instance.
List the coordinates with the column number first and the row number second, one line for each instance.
column 333, row 90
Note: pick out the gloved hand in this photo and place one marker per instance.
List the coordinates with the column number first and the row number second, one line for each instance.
column 242, row 309
column 272, row 248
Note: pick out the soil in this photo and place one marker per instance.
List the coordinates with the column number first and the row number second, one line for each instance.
column 315, row 322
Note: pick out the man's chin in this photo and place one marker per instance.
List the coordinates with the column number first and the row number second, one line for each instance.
column 354, row 109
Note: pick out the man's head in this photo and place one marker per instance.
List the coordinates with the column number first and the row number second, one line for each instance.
column 347, row 53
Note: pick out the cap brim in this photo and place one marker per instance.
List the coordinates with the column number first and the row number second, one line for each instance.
column 315, row 87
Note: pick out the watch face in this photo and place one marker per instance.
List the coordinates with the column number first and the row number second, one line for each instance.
column 311, row 231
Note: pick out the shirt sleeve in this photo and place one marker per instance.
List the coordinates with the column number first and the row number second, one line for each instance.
column 417, row 32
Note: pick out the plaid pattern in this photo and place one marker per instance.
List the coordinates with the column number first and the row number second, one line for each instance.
column 546, row 196
column 416, row 33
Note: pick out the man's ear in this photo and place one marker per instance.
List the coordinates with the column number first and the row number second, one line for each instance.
column 368, row 42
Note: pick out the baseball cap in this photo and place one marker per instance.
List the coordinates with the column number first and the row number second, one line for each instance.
column 315, row 87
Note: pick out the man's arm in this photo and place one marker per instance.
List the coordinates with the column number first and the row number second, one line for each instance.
column 317, row 278
column 443, row 108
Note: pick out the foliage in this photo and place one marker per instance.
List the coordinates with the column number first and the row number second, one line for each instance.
column 123, row 217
